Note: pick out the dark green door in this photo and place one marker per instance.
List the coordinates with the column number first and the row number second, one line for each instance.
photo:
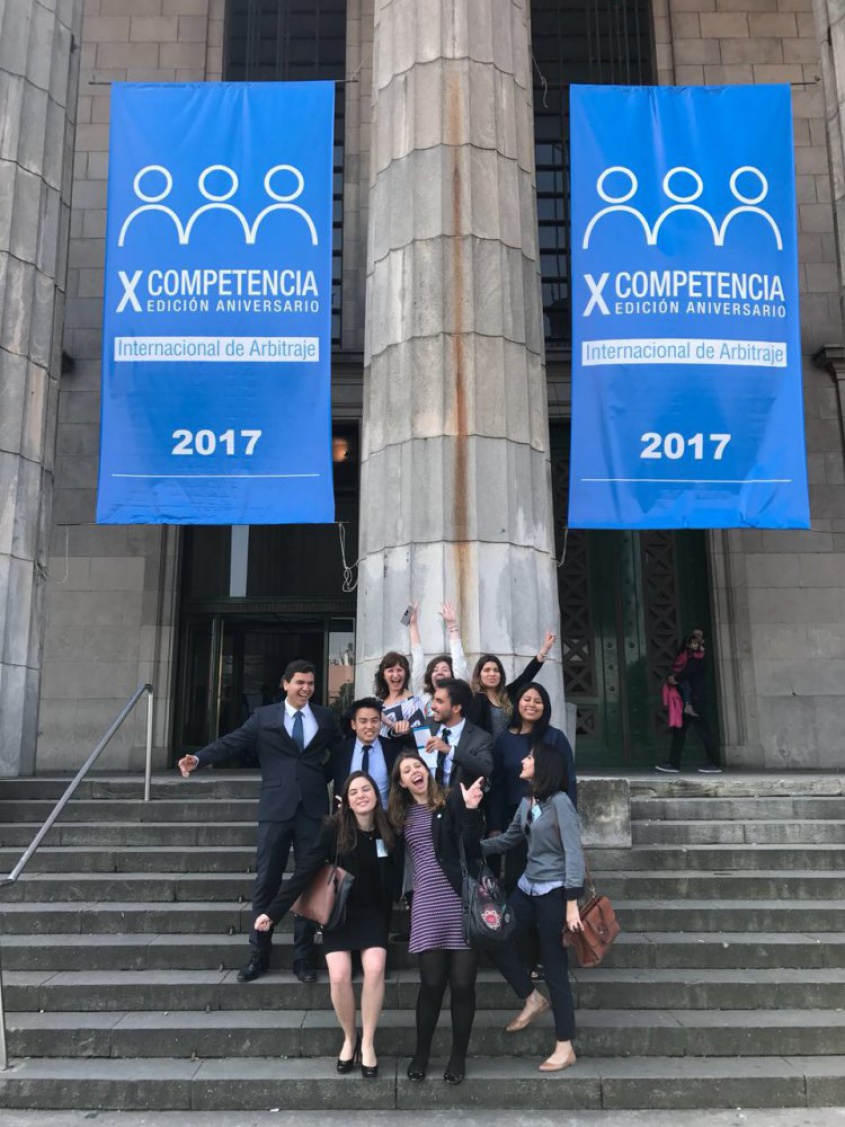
column 626, row 600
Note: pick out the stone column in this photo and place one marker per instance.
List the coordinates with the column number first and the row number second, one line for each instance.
column 456, row 483
column 39, row 65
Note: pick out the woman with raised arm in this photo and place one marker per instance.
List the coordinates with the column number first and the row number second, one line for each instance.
column 442, row 667
column 492, row 705
column 400, row 709
column 546, row 897
column 432, row 826
column 359, row 838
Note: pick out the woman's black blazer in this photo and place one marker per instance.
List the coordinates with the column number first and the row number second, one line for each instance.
column 449, row 826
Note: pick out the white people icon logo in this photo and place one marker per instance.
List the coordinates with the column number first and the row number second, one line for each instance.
column 747, row 202
column 217, row 200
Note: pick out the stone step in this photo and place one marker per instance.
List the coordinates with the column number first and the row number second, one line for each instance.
column 758, row 917
column 735, row 784
column 727, row 950
column 221, row 785
column 719, row 858
column 742, row 809
column 189, row 807
column 165, row 887
column 299, row 1033
column 135, row 859
column 601, row 988
column 237, row 858
column 151, row 835
column 726, row 833
column 138, row 918
column 260, row 1083
column 754, row 884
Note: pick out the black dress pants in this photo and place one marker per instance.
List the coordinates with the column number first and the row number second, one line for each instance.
column 546, row 914
column 274, row 844
column 703, row 732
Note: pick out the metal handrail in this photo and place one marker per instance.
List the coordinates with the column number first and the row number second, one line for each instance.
column 63, row 801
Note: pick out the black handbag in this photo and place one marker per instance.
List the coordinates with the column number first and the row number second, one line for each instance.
column 488, row 919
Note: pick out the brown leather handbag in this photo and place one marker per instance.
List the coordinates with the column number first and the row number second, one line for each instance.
column 599, row 929
column 324, row 900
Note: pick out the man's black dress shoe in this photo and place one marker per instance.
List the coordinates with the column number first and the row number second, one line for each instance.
column 253, row 969
column 304, row 972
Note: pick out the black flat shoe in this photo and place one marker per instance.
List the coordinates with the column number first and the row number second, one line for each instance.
column 304, row 972
column 455, row 1072
column 416, row 1071
column 344, row 1066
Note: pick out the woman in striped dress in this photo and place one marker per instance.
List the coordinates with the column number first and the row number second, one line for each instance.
column 432, row 825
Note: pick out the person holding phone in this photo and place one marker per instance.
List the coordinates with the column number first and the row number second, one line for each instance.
column 442, row 667
column 359, row 838
column 431, row 826
column 400, row 708
column 546, row 896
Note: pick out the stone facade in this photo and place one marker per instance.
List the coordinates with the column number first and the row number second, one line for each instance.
column 778, row 597
column 39, row 65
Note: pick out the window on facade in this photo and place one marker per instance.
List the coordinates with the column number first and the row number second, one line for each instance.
column 295, row 40
column 593, row 41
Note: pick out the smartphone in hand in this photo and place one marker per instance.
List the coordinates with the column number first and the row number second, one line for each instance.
column 406, row 617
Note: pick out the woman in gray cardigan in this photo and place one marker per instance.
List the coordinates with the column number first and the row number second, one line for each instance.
column 546, row 896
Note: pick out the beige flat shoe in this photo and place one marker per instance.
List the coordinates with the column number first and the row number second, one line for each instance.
column 552, row 1066
column 523, row 1020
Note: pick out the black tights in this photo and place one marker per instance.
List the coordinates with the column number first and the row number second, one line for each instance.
column 437, row 968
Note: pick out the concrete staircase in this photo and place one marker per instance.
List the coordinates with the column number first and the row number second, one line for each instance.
column 120, row 944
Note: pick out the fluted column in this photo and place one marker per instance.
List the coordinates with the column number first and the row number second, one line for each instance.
column 456, row 483
column 39, row 64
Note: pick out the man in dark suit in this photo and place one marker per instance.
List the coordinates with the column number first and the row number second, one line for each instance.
column 365, row 750
column 292, row 740
column 457, row 751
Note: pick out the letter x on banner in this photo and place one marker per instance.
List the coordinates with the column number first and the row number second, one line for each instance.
column 216, row 385
column 687, row 406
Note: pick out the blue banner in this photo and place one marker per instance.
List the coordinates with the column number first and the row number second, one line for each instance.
column 686, row 356
column 216, row 404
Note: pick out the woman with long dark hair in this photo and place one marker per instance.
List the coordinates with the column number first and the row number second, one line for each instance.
column 546, row 897
column 530, row 725
column 432, row 825
column 492, row 705
column 400, row 708
column 360, row 839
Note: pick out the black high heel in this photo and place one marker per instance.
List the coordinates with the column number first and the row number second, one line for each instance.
column 344, row 1066
column 369, row 1072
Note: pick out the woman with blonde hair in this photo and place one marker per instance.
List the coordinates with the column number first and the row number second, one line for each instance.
column 431, row 825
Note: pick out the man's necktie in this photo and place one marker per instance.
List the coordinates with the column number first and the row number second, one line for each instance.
column 298, row 731
column 440, row 771
column 365, row 758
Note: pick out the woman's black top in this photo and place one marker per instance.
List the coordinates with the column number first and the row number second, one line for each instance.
column 374, row 876
column 480, row 711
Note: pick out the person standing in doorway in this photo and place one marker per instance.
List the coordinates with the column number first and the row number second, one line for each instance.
column 292, row 741
column 693, row 675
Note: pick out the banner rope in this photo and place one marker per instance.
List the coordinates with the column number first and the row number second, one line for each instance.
column 350, row 579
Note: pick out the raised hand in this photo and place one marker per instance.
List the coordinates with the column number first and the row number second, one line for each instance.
column 546, row 647
column 473, row 794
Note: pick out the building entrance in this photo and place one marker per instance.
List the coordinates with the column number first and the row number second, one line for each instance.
column 626, row 601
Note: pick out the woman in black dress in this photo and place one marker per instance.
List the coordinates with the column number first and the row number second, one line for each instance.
column 360, row 839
